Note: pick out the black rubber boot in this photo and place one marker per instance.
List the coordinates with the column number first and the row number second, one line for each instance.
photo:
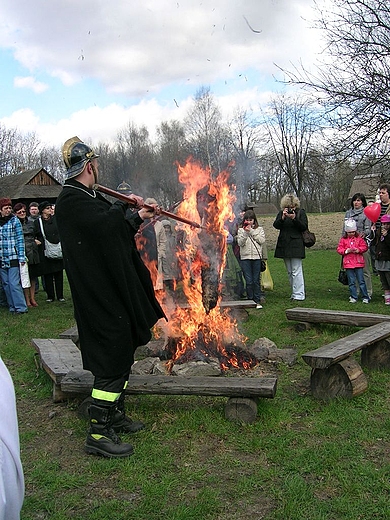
column 122, row 423
column 101, row 438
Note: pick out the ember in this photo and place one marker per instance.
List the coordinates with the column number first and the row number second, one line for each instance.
column 203, row 330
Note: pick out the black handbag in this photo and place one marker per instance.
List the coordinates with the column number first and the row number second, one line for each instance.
column 263, row 266
column 342, row 278
column 309, row 238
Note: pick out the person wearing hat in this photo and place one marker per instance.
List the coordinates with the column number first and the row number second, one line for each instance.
column 27, row 274
column 51, row 269
column 382, row 256
column 352, row 246
column 114, row 302
column 363, row 223
column 12, row 256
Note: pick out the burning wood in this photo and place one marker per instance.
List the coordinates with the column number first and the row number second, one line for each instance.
column 203, row 330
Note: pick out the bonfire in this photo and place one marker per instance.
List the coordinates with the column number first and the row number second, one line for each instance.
column 200, row 329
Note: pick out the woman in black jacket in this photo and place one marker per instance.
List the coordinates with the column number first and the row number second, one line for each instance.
column 51, row 270
column 292, row 221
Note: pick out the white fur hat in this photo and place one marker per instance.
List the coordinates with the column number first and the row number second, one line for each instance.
column 350, row 225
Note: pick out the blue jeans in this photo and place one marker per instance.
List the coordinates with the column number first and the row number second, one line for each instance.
column 251, row 270
column 13, row 290
column 353, row 275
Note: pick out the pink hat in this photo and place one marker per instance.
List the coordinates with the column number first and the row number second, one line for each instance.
column 385, row 219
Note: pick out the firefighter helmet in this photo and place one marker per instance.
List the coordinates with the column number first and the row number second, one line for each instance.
column 76, row 154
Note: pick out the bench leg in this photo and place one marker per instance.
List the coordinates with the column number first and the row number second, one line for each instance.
column 377, row 355
column 243, row 409
column 343, row 379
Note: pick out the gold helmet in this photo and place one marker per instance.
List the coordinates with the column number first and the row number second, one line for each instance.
column 76, row 154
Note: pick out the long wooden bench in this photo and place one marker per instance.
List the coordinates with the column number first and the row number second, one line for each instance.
column 336, row 374
column 61, row 359
column 357, row 319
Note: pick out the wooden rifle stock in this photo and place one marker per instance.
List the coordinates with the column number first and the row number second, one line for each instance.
column 132, row 201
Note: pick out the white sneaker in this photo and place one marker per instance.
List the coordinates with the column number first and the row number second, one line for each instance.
column 366, row 300
column 352, row 300
column 259, row 306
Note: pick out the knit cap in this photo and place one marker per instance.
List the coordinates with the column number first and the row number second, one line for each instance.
column 350, row 225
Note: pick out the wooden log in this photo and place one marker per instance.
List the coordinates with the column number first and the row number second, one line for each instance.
column 343, row 379
column 82, row 381
column 377, row 356
column 357, row 319
column 241, row 409
column 325, row 356
column 302, row 326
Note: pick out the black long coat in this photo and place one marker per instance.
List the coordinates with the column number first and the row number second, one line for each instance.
column 290, row 242
column 47, row 265
column 114, row 302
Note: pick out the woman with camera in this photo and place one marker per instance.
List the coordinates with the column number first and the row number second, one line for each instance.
column 250, row 237
column 291, row 222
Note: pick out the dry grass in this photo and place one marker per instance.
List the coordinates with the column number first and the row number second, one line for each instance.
column 326, row 226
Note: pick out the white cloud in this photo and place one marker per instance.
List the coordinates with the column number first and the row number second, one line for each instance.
column 132, row 47
column 131, row 53
column 31, row 83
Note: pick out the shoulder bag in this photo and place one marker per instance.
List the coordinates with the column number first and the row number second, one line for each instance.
column 52, row 251
column 309, row 238
column 342, row 278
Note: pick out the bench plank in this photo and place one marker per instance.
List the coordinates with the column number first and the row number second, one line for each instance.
column 58, row 357
column 358, row 319
column 82, row 381
column 325, row 356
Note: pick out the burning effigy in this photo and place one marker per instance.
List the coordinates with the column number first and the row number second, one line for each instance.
column 200, row 329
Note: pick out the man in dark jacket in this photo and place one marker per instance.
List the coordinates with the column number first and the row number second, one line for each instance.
column 112, row 292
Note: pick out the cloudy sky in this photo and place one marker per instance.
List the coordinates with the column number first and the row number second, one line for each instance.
column 87, row 67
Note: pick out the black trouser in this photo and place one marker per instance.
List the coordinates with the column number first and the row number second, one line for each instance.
column 54, row 280
column 107, row 390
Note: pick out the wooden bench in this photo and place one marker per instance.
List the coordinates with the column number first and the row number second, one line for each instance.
column 357, row 319
column 336, row 374
column 62, row 361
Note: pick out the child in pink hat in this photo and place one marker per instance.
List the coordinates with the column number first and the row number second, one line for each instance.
column 352, row 246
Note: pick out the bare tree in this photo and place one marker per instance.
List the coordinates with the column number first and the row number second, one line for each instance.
column 291, row 124
column 171, row 148
column 245, row 140
column 353, row 78
column 135, row 159
column 207, row 138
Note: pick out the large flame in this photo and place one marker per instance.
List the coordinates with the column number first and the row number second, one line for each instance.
column 201, row 326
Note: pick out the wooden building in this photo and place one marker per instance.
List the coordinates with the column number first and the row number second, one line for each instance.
column 30, row 185
column 367, row 184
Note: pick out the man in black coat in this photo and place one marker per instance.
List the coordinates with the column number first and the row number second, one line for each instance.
column 114, row 302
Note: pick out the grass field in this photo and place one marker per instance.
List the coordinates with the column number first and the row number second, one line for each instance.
column 301, row 459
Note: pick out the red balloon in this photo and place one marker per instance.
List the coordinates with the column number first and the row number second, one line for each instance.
column 372, row 212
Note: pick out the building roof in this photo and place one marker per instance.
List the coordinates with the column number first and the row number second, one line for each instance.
column 30, row 185
column 366, row 184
